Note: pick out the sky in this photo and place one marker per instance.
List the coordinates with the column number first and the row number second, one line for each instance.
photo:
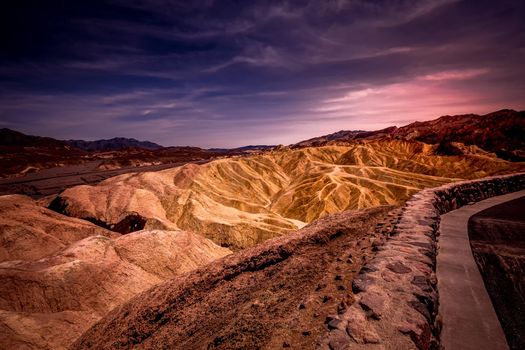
column 232, row 73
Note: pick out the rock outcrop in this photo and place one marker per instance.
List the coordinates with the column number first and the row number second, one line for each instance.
column 500, row 132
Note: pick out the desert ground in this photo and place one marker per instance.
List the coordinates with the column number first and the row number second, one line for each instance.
column 256, row 250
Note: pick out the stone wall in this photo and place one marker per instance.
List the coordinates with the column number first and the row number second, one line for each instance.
column 396, row 296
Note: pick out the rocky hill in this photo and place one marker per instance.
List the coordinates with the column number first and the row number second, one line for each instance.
column 30, row 231
column 345, row 136
column 113, row 144
column 500, row 132
column 273, row 296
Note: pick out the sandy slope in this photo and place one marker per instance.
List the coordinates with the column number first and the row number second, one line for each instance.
column 29, row 231
column 59, row 275
column 277, row 294
column 238, row 202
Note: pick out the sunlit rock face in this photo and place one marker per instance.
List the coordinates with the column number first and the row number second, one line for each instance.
column 241, row 201
column 47, row 303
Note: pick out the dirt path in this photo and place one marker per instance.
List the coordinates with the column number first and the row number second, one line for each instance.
column 276, row 295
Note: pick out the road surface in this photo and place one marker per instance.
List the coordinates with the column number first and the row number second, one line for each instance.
column 54, row 180
column 468, row 316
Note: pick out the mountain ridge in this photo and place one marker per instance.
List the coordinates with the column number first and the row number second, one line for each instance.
column 14, row 138
column 507, row 124
column 500, row 132
column 113, row 144
column 241, row 201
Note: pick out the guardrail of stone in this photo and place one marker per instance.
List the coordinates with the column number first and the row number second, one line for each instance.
column 396, row 296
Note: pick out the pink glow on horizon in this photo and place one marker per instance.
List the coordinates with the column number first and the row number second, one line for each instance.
column 423, row 98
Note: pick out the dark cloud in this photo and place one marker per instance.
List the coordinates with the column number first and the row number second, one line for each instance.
column 228, row 73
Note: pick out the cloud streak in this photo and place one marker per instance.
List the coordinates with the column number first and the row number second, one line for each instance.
column 221, row 74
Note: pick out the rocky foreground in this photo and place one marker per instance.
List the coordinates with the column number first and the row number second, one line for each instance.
column 349, row 281
column 272, row 296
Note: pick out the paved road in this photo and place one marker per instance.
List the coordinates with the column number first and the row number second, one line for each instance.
column 54, row 180
column 469, row 319
column 497, row 238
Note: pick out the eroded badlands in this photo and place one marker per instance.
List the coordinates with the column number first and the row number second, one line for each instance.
column 62, row 270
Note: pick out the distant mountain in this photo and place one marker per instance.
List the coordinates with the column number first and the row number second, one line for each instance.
column 12, row 138
column 345, row 135
column 255, row 147
column 22, row 154
column 501, row 132
column 114, row 144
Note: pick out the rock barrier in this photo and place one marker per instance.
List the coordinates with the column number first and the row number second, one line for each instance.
column 396, row 295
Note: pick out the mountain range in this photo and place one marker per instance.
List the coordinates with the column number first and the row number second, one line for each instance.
column 113, row 144
column 24, row 154
column 12, row 138
column 500, row 132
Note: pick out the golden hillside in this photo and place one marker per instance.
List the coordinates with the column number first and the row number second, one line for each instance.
column 60, row 275
column 238, row 202
column 29, row 231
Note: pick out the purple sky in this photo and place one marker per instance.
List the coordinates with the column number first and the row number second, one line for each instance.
column 232, row 73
